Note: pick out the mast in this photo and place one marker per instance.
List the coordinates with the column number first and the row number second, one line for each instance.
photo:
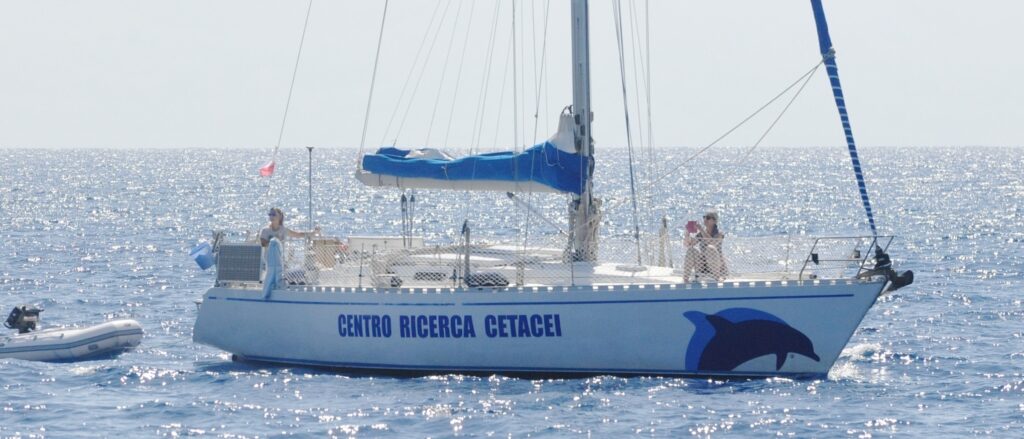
column 584, row 209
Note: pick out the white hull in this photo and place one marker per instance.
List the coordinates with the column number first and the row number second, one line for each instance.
column 754, row 328
column 73, row 344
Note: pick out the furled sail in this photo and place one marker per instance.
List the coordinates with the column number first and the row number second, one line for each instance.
column 829, row 55
column 551, row 166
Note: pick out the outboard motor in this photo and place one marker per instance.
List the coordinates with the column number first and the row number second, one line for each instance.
column 24, row 318
column 883, row 265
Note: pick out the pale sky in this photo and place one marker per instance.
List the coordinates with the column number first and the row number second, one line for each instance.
column 201, row 73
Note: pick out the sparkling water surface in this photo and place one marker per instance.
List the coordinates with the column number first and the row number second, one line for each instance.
column 93, row 235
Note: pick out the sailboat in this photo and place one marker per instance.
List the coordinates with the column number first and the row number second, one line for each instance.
column 377, row 305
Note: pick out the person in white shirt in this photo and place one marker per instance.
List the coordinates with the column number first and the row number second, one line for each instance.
column 276, row 229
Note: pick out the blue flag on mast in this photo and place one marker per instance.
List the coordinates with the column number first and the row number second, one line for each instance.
column 829, row 55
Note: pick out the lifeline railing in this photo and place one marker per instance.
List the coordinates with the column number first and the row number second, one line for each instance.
column 860, row 255
column 488, row 262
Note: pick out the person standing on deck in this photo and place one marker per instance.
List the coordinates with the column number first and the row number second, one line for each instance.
column 276, row 229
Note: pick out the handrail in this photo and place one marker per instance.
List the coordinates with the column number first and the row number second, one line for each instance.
column 332, row 263
column 863, row 260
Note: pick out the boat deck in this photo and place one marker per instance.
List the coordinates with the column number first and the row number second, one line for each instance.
column 333, row 263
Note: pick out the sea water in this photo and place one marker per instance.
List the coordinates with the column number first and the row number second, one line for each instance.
column 92, row 235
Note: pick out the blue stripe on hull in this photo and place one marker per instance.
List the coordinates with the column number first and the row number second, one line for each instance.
column 403, row 369
column 546, row 303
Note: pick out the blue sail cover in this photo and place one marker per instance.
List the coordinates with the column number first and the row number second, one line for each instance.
column 825, row 45
column 543, row 163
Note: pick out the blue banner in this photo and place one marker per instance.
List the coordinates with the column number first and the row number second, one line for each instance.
column 543, row 163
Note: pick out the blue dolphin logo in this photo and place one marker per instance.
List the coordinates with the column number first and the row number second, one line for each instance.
column 731, row 337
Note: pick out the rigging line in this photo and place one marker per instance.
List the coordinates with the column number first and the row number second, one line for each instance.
column 412, row 70
column 478, row 120
column 515, row 90
column 617, row 9
column 524, row 216
column 458, row 77
column 288, row 103
column 481, row 104
column 636, row 78
column 544, row 54
column 708, row 146
column 741, row 123
column 640, row 79
column 515, row 93
column 419, row 79
column 444, row 73
column 529, row 92
column 482, row 100
column 291, row 87
column 501, row 96
column 536, row 109
column 777, row 118
column 497, row 125
column 533, row 66
column 547, row 94
column 530, row 208
column 637, row 58
column 645, row 178
column 647, row 88
column 636, row 163
column 373, row 82
column 533, row 42
column 522, row 72
column 543, row 61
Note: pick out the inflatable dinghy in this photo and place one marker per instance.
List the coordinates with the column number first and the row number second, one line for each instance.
column 67, row 344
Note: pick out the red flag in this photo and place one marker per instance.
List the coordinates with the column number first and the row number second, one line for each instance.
column 267, row 169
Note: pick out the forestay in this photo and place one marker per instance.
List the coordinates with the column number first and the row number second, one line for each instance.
column 829, row 56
